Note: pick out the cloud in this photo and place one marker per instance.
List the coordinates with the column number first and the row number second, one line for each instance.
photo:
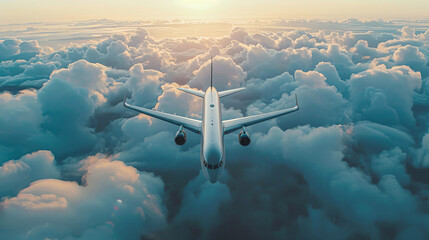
column 18, row 174
column 422, row 159
column 116, row 201
column 391, row 162
column 145, row 85
column 83, row 74
column 200, row 194
column 351, row 163
column 329, row 178
column 384, row 95
column 226, row 74
column 410, row 56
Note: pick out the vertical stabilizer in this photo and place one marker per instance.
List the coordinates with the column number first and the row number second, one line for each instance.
column 211, row 72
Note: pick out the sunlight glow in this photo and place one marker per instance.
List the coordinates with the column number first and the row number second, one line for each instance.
column 198, row 4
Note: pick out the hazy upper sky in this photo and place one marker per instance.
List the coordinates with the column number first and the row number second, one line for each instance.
column 13, row 11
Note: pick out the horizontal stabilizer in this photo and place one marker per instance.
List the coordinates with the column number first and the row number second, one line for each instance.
column 229, row 92
column 193, row 92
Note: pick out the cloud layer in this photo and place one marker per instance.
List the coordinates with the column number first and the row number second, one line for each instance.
column 352, row 163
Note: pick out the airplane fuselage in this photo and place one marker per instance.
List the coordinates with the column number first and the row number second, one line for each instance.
column 212, row 137
column 212, row 128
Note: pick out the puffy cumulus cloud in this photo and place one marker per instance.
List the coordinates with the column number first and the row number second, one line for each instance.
column 83, row 74
column 304, row 41
column 67, row 102
column 200, row 194
column 9, row 48
column 115, row 55
column 190, row 104
column 34, row 75
column 17, row 132
column 57, row 117
column 412, row 57
column 326, row 103
column 226, row 74
column 408, row 32
column 145, row 85
column 346, row 191
column 320, row 103
column 351, row 163
column 384, row 95
column 332, row 77
column 266, row 63
column 18, row 174
column 363, row 53
column 115, row 202
column 158, row 152
column 422, row 159
column 350, row 39
column 425, row 35
column 15, row 49
column 239, row 34
column 391, row 162
column 372, row 138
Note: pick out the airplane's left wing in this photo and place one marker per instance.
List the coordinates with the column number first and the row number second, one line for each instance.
column 234, row 124
column 189, row 123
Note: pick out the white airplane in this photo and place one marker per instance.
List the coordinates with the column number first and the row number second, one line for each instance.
column 211, row 128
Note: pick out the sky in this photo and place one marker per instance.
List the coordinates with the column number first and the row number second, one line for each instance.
column 352, row 163
column 13, row 11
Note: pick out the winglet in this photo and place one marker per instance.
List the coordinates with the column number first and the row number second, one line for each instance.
column 125, row 99
column 296, row 101
column 211, row 72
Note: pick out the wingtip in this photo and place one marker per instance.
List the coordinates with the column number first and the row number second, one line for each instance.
column 124, row 103
column 296, row 101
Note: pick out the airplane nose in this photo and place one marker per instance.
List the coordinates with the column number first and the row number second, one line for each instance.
column 212, row 178
column 212, row 164
column 213, row 157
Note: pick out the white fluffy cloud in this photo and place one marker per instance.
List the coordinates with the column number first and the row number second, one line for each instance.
column 116, row 202
column 385, row 95
column 18, row 174
column 351, row 163
column 226, row 74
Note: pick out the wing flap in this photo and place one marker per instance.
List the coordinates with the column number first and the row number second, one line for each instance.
column 193, row 125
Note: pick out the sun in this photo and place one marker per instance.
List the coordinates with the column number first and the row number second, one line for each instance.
column 198, row 4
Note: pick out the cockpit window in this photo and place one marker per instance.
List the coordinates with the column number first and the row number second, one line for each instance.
column 214, row 167
column 211, row 105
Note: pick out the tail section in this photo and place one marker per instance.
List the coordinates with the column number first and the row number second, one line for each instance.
column 229, row 92
column 193, row 92
column 201, row 93
column 211, row 72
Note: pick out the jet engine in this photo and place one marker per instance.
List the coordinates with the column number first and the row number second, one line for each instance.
column 244, row 138
column 180, row 137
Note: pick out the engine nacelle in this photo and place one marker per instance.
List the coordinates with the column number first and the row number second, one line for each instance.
column 244, row 138
column 180, row 137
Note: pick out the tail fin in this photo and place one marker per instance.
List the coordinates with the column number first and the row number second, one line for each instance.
column 211, row 72
column 229, row 92
column 193, row 92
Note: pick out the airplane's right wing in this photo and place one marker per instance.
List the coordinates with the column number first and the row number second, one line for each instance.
column 188, row 123
column 235, row 124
